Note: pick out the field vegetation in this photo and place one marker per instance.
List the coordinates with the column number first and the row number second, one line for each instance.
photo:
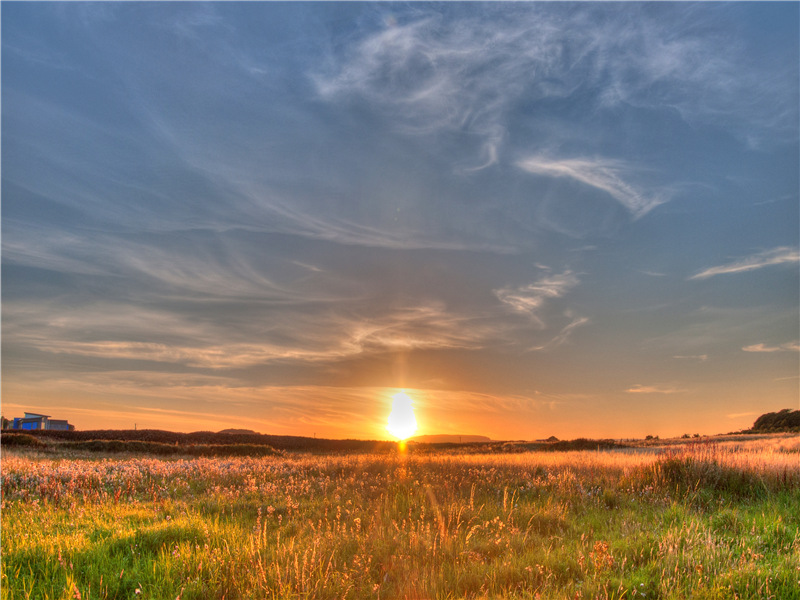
column 689, row 520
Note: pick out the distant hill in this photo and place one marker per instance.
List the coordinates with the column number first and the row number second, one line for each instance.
column 450, row 439
column 784, row 420
column 239, row 431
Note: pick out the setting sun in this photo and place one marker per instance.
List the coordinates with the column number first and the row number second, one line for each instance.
column 402, row 423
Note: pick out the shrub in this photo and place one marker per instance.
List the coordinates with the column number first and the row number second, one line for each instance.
column 124, row 446
column 21, row 440
column 162, row 449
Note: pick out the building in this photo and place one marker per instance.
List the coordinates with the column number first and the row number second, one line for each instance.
column 33, row 421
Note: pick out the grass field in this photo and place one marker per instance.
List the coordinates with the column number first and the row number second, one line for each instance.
column 694, row 520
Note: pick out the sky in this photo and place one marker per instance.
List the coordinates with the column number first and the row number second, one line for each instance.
column 569, row 219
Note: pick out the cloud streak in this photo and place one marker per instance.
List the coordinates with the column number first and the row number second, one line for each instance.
column 565, row 332
column 784, row 255
column 451, row 86
column 787, row 347
column 698, row 357
column 433, row 73
column 119, row 333
column 530, row 299
column 602, row 174
column 654, row 389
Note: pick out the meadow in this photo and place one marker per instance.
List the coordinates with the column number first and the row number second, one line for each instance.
column 703, row 519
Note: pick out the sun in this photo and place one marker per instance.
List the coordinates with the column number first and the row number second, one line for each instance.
column 402, row 423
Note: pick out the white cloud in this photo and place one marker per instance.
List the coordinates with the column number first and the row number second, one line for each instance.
column 653, row 389
column 787, row 347
column 603, row 174
column 463, row 72
column 776, row 256
column 218, row 356
column 718, row 328
column 431, row 75
column 741, row 415
column 529, row 299
column 121, row 332
column 700, row 357
column 565, row 333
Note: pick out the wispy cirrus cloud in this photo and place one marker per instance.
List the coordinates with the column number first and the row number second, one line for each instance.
column 530, row 299
column 787, row 347
column 783, row 255
column 565, row 332
column 431, row 75
column 699, row 357
column 716, row 328
column 602, row 174
column 465, row 80
column 320, row 336
column 434, row 73
column 741, row 415
column 654, row 389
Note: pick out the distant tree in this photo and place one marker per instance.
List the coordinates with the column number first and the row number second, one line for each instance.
column 783, row 419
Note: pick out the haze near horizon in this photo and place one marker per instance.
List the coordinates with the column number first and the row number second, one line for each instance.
column 535, row 219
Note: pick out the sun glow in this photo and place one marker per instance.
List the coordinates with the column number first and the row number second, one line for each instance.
column 402, row 423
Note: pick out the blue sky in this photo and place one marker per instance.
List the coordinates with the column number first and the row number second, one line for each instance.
column 536, row 218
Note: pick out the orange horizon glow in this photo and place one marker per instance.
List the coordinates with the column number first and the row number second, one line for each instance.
column 353, row 413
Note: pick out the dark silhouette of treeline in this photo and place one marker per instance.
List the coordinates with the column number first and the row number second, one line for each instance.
column 208, row 443
column 774, row 422
column 209, row 438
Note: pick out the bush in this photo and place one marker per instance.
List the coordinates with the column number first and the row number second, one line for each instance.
column 21, row 440
column 161, row 449
column 281, row 442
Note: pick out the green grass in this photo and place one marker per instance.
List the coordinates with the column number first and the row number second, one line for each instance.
column 706, row 522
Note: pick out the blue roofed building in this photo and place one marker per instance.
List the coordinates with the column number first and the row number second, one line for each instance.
column 35, row 421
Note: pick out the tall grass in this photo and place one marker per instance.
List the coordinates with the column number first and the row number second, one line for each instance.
column 697, row 521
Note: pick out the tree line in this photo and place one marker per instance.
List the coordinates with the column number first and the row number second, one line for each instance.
column 784, row 420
